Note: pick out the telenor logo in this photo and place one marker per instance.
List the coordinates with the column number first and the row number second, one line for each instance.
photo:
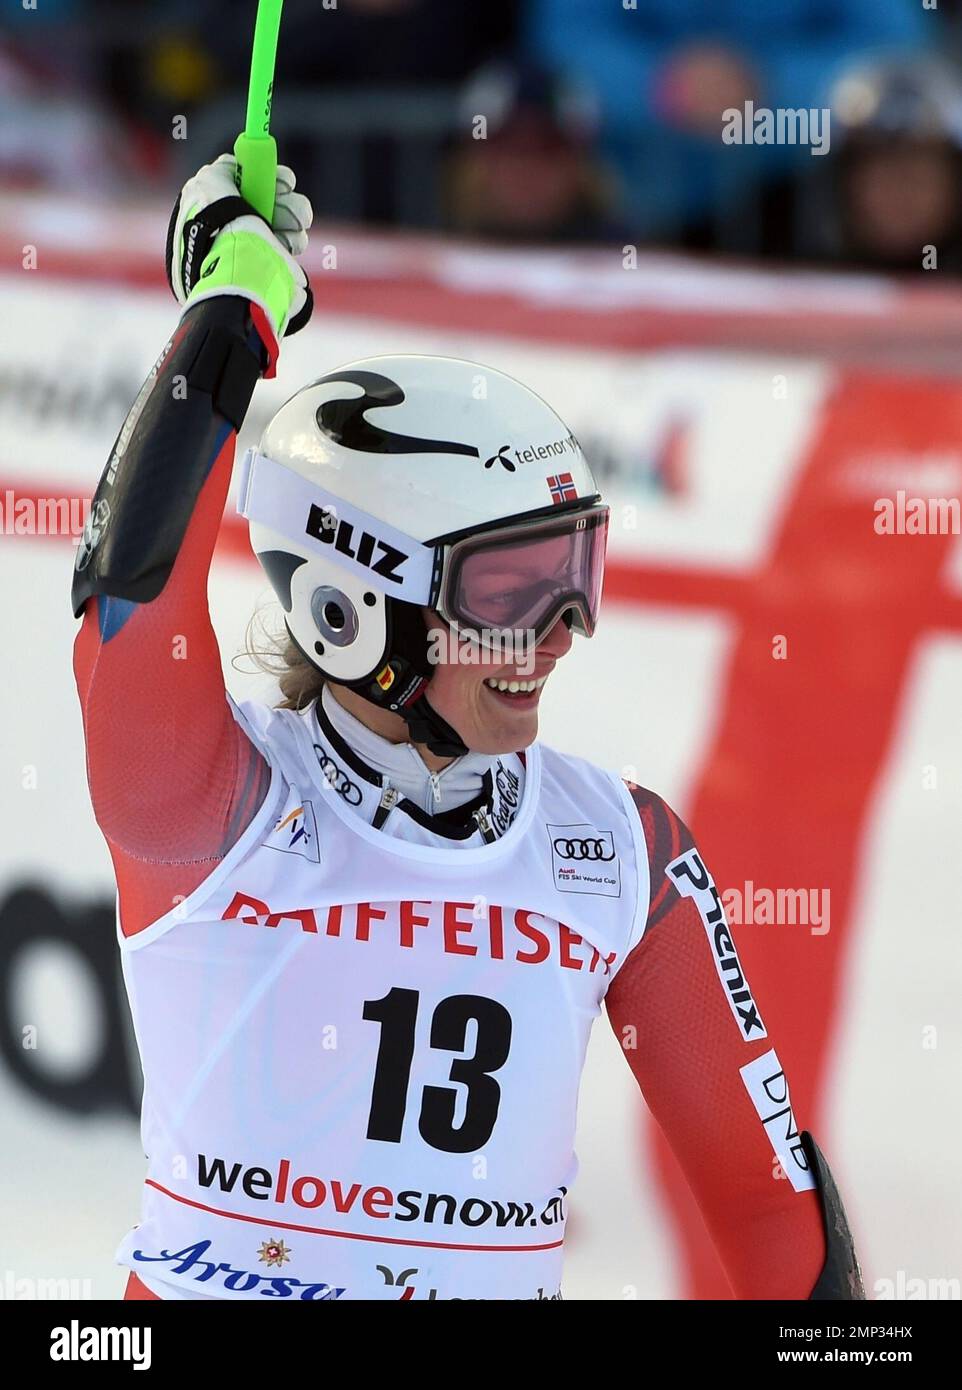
column 500, row 458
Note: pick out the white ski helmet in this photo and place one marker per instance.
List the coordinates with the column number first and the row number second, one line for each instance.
column 399, row 483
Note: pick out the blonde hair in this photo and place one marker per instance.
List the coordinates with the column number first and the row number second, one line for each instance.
column 277, row 654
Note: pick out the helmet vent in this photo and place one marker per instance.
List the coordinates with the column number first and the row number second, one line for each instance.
column 335, row 616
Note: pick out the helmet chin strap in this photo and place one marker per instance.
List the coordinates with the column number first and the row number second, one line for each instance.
column 407, row 672
column 424, row 723
column 427, row 727
column 401, row 684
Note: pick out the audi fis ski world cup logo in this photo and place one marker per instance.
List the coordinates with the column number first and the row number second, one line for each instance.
column 692, row 879
column 584, row 860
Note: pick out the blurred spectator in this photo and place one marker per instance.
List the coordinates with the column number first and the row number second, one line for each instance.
column 897, row 169
column 529, row 173
column 665, row 70
column 891, row 188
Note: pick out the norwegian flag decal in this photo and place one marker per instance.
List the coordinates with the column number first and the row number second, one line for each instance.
column 562, row 488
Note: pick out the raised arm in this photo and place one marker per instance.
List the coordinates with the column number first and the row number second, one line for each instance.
column 173, row 778
column 696, row 1040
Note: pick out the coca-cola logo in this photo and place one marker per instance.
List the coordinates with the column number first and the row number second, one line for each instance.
column 507, row 785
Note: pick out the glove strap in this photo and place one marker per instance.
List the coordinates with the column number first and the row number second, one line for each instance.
column 199, row 232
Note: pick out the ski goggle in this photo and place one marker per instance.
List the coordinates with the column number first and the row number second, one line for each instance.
column 512, row 580
column 520, row 578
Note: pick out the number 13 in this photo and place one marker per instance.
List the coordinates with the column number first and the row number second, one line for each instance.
column 397, row 1015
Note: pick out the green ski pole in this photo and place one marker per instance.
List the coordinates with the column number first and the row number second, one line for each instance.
column 256, row 148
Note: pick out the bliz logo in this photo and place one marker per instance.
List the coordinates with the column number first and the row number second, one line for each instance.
column 324, row 525
column 693, row 880
column 767, row 1085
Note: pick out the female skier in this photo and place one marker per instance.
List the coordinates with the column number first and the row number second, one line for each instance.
column 365, row 933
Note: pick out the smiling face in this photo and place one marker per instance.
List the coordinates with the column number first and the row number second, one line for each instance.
column 494, row 706
column 490, row 693
column 491, row 696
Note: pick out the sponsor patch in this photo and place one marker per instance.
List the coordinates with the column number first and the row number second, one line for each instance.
column 295, row 832
column 218, row 1276
column 583, row 860
column 693, row 880
column 93, row 533
column 507, row 797
column 337, row 779
column 767, row 1085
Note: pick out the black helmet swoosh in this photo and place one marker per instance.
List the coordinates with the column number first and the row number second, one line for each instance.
column 344, row 422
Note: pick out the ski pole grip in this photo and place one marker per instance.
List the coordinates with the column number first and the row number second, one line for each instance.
column 255, row 148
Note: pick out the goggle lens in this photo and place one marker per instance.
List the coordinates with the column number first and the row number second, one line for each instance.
column 521, row 580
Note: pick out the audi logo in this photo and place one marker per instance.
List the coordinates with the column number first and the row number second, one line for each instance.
column 583, row 849
column 337, row 779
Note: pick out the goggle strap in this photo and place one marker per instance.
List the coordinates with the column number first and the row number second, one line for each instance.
column 280, row 499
